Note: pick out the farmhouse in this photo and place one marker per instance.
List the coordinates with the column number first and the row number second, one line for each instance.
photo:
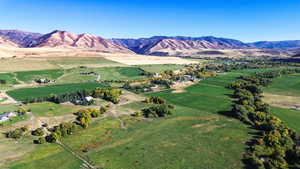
column 5, row 116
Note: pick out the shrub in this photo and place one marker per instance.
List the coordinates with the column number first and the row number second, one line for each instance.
column 38, row 132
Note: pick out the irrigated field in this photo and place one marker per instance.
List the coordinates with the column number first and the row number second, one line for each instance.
column 30, row 76
column 48, row 109
column 29, row 93
column 194, row 137
column 286, row 85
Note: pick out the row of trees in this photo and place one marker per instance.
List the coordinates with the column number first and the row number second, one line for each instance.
column 275, row 145
column 79, row 97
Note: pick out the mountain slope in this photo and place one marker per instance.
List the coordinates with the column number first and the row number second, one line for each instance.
column 19, row 37
column 290, row 44
column 4, row 42
column 63, row 39
column 156, row 43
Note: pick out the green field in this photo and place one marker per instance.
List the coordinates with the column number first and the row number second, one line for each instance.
column 8, row 108
column 30, row 76
column 14, row 120
column 108, row 73
column 29, row 93
column 160, row 68
column 9, row 78
column 196, row 136
column 288, row 85
column 48, row 109
column 290, row 117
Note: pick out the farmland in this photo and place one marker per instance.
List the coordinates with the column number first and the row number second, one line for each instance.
column 22, row 94
column 30, row 76
column 197, row 135
column 195, row 127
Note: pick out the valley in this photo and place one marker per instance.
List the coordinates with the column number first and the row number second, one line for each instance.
column 193, row 136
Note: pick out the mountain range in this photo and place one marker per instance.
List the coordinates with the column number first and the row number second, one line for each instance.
column 156, row 45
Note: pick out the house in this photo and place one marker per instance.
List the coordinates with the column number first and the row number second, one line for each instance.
column 89, row 98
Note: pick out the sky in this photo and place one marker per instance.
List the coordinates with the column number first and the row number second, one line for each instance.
column 246, row 20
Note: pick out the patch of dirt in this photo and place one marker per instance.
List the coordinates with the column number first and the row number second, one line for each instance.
column 288, row 102
column 179, row 87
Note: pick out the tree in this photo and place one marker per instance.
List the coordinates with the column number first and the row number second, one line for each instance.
column 38, row 132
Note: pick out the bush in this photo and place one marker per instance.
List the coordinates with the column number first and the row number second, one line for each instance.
column 40, row 140
column 155, row 100
column 17, row 133
column 157, row 111
column 38, row 132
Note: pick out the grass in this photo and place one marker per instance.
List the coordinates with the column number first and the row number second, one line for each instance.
column 196, row 136
column 8, row 108
column 29, row 76
column 288, row 85
column 14, row 120
column 48, row 109
column 9, row 78
column 160, row 68
column 28, row 93
column 290, row 117
column 108, row 73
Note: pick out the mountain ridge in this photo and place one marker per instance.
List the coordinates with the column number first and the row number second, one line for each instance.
column 151, row 45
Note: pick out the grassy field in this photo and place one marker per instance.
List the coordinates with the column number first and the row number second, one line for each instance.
column 109, row 73
column 48, row 109
column 14, row 120
column 8, row 108
column 9, row 78
column 286, row 85
column 29, row 76
column 160, row 68
column 29, row 93
column 196, row 136
column 290, row 117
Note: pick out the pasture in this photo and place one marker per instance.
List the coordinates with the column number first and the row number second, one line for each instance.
column 194, row 137
column 197, row 135
column 28, row 93
column 30, row 76
column 108, row 73
column 9, row 79
column 288, row 85
column 48, row 109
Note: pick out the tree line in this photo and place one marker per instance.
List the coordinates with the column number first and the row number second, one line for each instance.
column 275, row 144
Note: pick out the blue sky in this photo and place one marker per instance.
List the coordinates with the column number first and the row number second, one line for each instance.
column 246, row 20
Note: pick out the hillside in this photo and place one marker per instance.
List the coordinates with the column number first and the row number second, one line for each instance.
column 21, row 38
column 63, row 39
column 154, row 44
column 4, row 42
column 289, row 44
